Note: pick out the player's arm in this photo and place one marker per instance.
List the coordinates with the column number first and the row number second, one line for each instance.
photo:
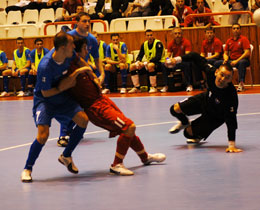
column 159, row 52
column 99, row 65
column 246, row 54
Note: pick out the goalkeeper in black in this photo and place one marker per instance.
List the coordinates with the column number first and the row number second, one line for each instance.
column 217, row 105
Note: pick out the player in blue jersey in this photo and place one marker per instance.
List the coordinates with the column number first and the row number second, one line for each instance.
column 36, row 55
column 82, row 30
column 3, row 67
column 52, row 101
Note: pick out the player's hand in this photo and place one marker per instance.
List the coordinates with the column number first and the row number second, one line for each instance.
column 233, row 149
column 233, row 63
column 101, row 78
column 115, row 46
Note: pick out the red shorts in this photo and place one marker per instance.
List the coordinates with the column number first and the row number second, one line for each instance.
column 105, row 114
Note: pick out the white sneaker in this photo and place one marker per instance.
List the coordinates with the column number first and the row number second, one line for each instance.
column 193, row 141
column 164, row 89
column 240, row 88
column 26, row 175
column 67, row 161
column 134, row 90
column 157, row 157
column 123, row 91
column 120, row 169
column 105, row 91
column 176, row 128
column 4, row 94
column 153, row 90
column 189, row 88
column 20, row 94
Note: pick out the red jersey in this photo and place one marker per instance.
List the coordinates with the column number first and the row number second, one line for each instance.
column 71, row 8
column 179, row 49
column 237, row 47
column 85, row 92
column 210, row 48
column 202, row 21
column 181, row 15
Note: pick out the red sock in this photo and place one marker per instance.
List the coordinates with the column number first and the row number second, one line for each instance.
column 138, row 147
column 123, row 144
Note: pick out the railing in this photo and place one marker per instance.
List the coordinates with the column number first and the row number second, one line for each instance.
column 73, row 22
column 217, row 13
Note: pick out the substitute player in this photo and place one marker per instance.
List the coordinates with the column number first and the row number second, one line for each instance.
column 217, row 105
column 104, row 113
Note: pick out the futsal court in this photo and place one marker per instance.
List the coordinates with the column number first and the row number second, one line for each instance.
column 200, row 177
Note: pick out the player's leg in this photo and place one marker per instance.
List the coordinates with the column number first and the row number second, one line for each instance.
column 108, row 69
column 135, row 78
column 65, row 131
column 152, row 77
column 23, row 74
column 123, row 70
column 5, row 74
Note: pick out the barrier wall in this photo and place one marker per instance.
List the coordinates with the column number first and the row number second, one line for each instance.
column 134, row 40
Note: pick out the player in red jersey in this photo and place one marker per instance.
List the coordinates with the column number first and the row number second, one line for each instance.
column 104, row 113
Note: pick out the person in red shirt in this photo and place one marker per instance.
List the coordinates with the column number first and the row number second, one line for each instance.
column 69, row 6
column 181, row 11
column 203, row 21
column 237, row 53
column 179, row 46
column 104, row 113
column 212, row 47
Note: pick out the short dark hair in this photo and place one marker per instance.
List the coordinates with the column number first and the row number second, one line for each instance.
column 38, row 40
column 148, row 30
column 19, row 39
column 210, row 29
column 80, row 15
column 227, row 66
column 78, row 42
column 61, row 39
column 114, row 34
column 236, row 24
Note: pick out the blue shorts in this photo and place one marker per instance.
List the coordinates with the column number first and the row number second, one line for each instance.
column 44, row 113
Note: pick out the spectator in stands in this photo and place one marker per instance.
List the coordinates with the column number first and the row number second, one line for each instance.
column 255, row 6
column 21, row 67
column 79, row 9
column 44, row 4
column 102, row 46
column 181, row 11
column 111, row 10
column 70, row 7
column 117, row 60
column 193, row 4
column 203, row 21
column 19, row 6
column 36, row 55
column 154, row 53
column 179, row 46
column 237, row 5
column 140, row 8
column 237, row 53
column 212, row 47
column 161, row 7
column 3, row 67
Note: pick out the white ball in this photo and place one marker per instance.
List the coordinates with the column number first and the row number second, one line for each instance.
column 256, row 17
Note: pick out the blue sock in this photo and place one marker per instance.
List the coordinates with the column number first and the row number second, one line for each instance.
column 6, row 83
column 63, row 130
column 97, row 72
column 75, row 138
column 107, row 79
column 34, row 152
column 30, row 82
column 124, row 77
column 23, row 81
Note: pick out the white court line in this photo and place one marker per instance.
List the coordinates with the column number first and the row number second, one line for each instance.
column 102, row 131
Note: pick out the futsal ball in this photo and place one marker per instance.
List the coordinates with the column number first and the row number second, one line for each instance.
column 256, row 17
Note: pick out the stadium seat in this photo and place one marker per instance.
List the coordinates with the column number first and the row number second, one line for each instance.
column 118, row 25
column 3, row 4
column 154, row 23
column 12, row 2
column 46, row 15
column 14, row 32
column 2, row 32
column 99, row 27
column 31, row 15
column 135, row 24
column 167, row 23
column 31, row 30
column 58, row 12
column 2, row 18
column 14, row 17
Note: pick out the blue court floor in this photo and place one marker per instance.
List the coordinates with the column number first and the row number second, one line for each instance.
column 192, row 178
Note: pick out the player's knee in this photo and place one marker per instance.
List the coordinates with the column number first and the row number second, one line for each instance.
column 130, row 131
column 81, row 119
column 108, row 67
column 43, row 135
column 188, row 133
column 151, row 66
column 122, row 66
column 175, row 109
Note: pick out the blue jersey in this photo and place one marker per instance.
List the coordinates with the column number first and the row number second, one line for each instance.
column 123, row 50
column 49, row 75
column 32, row 54
column 27, row 54
column 3, row 58
column 92, row 44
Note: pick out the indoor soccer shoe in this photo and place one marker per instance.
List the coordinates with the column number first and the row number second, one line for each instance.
column 193, row 141
column 134, row 90
column 26, row 175
column 120, row 169
column 157, row 157
column 63, row 141
column 176, row 128
column 67, row 161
